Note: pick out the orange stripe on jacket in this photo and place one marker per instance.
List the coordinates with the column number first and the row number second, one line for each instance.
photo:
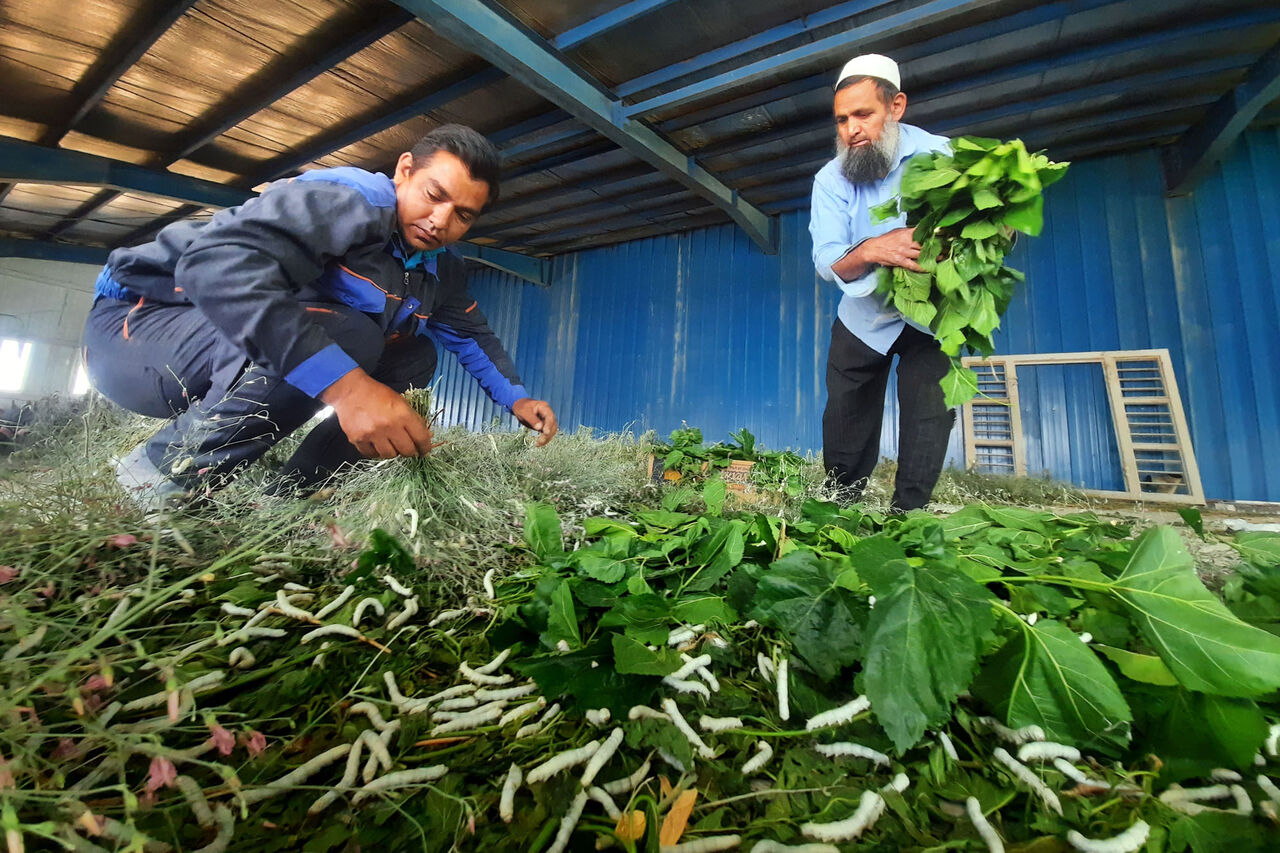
column 472, row 308
column 125, row 330
column 371, row 281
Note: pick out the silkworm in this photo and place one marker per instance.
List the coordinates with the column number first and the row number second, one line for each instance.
column 682, row 686
column 482, row 678
column 601, row 756
column 535, row 727
column 400, row 779
column 241, row 658
column 489, row 592
column 498, row 661
column 770, row 846
column 232, row 610
column 194, row 795
column 485, row 694
column 644, row 712
column 396, row 587
column 337, row 603
column 296, row 777
column 1045, row 750
column 506, row 804
column 475, row 719
column 627, row 783
column 601, row 796
column 691, row 665
column 365, row 604
column 839, row 716
column 348, row 779
column 521, row 711
column 568, row 823
column 410, row 609
column 756, row 763
column 719, row 724
column 446, row 616
column 985, row 830
column 598, row 717
column 563, row 761
column 371, row 711
column 784, row 706
column 331, row 630
column 283, row 604
column 673, row 711
column 948, row 747
column 852, row 750
column 1014, row 736
column 1126, row 842
column 1031, row 780
column 870, row 807
column 710, row 844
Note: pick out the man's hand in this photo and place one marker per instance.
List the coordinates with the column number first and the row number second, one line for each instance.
column 897, row 248
column 537, row 416
column 375, row 418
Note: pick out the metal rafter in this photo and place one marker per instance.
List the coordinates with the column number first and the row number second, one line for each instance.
column 1194, row 155
column 624, row 14
column 481, row 30
column 142, row 31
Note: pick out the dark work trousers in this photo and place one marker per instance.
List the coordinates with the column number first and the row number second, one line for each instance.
column 168, row 361
column 857, row 377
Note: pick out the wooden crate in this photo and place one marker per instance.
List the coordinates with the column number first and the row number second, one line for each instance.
column 737, row 476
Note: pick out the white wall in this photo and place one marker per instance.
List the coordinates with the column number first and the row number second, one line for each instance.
column 45, row 302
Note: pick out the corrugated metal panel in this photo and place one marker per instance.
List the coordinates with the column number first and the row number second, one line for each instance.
column 701, row 326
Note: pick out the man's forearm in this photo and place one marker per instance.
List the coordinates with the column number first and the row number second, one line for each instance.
column 853, row 265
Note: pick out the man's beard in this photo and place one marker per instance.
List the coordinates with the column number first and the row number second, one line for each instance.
column 867, row 164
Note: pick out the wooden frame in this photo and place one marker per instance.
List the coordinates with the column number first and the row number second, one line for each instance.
column 1156, row 456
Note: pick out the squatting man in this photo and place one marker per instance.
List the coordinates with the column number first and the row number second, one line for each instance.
column 873, row 146
column 327, row 289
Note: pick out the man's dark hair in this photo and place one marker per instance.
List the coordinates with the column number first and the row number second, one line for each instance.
column 887, row 90
column 477, row 153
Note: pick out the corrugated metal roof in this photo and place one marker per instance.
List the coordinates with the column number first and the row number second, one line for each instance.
column 237, row 92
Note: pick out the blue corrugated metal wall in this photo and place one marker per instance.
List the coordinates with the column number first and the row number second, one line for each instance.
column 701, row 326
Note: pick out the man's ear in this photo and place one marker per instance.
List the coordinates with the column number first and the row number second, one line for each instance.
column 404, row 167
column 898, row 106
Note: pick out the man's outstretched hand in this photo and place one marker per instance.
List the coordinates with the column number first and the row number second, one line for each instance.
column 537, row 416
column 376, row 419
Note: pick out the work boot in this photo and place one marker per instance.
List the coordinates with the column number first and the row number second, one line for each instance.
column 146, row 487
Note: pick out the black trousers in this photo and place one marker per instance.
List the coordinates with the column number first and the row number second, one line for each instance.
column 857, row 377
column 168, row 361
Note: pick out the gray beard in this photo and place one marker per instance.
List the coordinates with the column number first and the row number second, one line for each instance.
column 869, row 163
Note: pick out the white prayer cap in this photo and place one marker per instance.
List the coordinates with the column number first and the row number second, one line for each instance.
column 871, row 65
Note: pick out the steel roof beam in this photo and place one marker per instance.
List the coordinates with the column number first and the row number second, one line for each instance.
column 143, row 30
column 42, row 250
column 932, row 13
column 624, row 14
column 536, row 270
column 25, row 162
column 1194, row 155
column 479, row 29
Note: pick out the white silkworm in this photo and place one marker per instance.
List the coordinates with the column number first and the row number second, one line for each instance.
column 673, row 711
column 485, row 694
column 451, row 713
column 233, row 610
column 397, row 698
column 1244, row 805
column 295, row 777
column 365, row 604
column 378, row 755
column 568, row 823
column 784, row 706
column 413, row 521
column 241, row 658
column 450, row 693
column 682, row 686
column 644, row 712
column 521, row 711
column 318, row 660
column 598, row 717
column 709, row 844
column 1222, row 774
column 498, row 661
column 948, row 747
column 1047, row 750
column 709, row 677
column 756, row 763
column 371, row 711
column 247, row 634
column 282, row 604
column 839, row 716
column 770, row 846
column 507, row 802
column 296, row 587
column 447, row 616
column 1126, row 842
column 601, row 796
column 1269, row 788
column 1272, row 744
column 331, row 630
column 348, row 779
column 680, row 636
column 1014, row 736
column 1023, row 773
column 196, row 685
column 1177, row 796
column 719, row 724
column 628, row 783
column 844, row 749
column 1069, row 770
column 563, row 761
column 601, row 756
column 337, row 603
column 765, row 666
column 488, row 714
column 898, row 783
column 535, row 727
column 396, row 587
column 489, row 591
column 194, row 795
column 410, row 609
column 870, row 807
column 1086, row 638
column 985, row 830
column 400, row 779
column 563, row 646
column 691, row 665
column 482, row 678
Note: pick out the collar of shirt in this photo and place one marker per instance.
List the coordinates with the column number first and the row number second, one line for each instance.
column 420, row 259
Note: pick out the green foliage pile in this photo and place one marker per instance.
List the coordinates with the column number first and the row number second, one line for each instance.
column 957, row 626
column 772, row 470
column 965, row 207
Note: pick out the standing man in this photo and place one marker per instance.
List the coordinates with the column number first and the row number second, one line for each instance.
column 327, row 289
column 848, row 249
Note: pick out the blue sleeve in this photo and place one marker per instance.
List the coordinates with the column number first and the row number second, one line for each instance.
column 462, row 328
column 831, row 228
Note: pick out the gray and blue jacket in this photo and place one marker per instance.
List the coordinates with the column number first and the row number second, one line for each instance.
column 329, row 235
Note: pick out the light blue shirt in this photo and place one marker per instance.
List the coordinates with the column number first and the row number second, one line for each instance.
column 840, row 219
